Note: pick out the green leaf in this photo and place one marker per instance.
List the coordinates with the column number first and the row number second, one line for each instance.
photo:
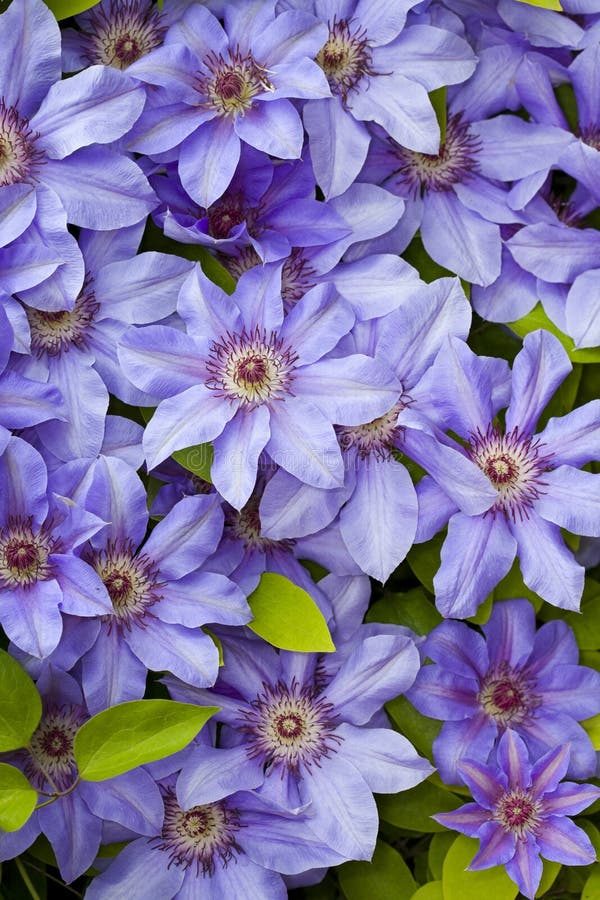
column 420, row 730
column 131, row 734
column 512, row 585
column 438, row 848
column 549, row 873
column 592, row 728
column 545, row 4
column 20, row 704
column 586, row 623
column 413, row 609
column 387, row 875
column 430, row 891
column 438, row 101
column 424, row 559
column 537, row 318
column 591, row 889
column 62, row 9
column 459, row 884
column 413, row 809
column 417, row 256
column 154, row 239
column 287, row 617
column 17, row 798
column 196, row 459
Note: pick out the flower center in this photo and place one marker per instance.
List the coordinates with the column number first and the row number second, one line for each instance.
column 296, row 278
column 346, row 56
column 251, row 368
column 290, row 727
column 50, row 760
column 514, row 465
column 25, row 554
column 55, row 333
column 517, row 811
column 244, row 259
column 507, row 696
column 224, row 215
column 121, row 33
column 200, row 836
column 456, row 161
column 131, row 581
column 591, row 136
column 19, row 159
column 377, row 438
column 229, row 86
column 245, row 525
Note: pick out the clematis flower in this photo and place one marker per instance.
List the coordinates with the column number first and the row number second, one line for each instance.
column 378, row 71
column 48, row 126
column 40, row 574
column 73, row 822
column 250, row 380
column 521, row 812
column 536, row 476
column 75, row 349
column 159, row 594
column 301, row 725
column 221, row 87
column 513, row 677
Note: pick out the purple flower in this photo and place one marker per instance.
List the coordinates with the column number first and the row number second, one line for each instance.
column 513, row 677
column 301, row 724
column 539, row 488
column 456, row 197
column 378, row 515
column 250, row 380
column 49, row 125
column 377, row 72
column 159, row 597
column 521, row 812
column 73, row 821
column 40, row 576
column 75, row 349
column 223, row 87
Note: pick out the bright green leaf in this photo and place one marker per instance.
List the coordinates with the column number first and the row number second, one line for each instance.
column 196, row 459
column 591, row 889
column 17, row 798
column 459, row 884
column 62, row 9
column 131, row 734
column 387, row 875
column 287, row 617
column 20, row 704
column 413, row 809
column 430, row 891
column 438, row 848
column 549, row 873
column 592, row 727
column 420, row 730
column 545, row 4
column 537, row 318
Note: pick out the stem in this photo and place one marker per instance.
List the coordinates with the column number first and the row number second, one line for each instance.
column 28, row 883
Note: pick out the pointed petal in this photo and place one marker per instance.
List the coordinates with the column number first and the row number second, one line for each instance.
column 237, row 451
column 96, row 106
column 387, row 760
column 548, row 567
column 477, row 553
column 208, row 159
column 538, row 370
